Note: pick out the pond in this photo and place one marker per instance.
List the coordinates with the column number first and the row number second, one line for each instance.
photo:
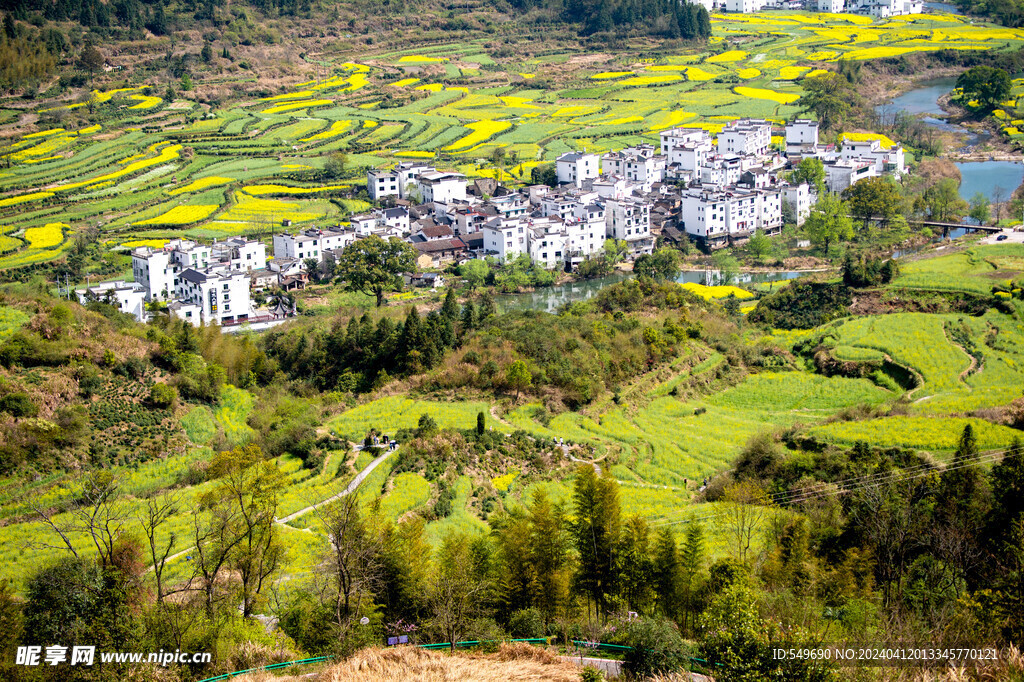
column 994, row 179
column 550, row 299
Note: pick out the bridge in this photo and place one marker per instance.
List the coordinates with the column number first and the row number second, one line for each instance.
column 934, row 223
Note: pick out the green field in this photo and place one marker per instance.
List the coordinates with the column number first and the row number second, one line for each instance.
column 249, row 165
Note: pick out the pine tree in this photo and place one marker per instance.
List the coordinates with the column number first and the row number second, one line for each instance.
column 1007, row 479
column 488, row 308
column 636, row 570
column 691, row 569
column 595, row 535
column 468, row 320
column 666, row 572
column 450, row 308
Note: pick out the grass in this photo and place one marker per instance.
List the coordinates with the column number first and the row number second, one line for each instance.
column 199, row 425
column 802, row 392
column 972, row 271
column 396, row 412
column 938, row 434
column 231, row 414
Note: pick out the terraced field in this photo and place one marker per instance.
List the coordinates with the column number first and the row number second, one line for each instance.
column 248, row 166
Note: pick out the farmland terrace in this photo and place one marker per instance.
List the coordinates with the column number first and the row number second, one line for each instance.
column 141, row 168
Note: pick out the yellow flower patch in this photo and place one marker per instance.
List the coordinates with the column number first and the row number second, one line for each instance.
column 152, row 243
column 707, row 292
column 727, row 57
column 415, row 58
column 405, row 81
column 43, row 133
column 46, row 236
column 748, row 73
column 201, row 184
column 259, row 190
column 23, row 198
column 301, row 94
column 182, row 215
column 431, row 87
column 416, row 154
column 482, row 130
column 887, row 142
column 789, row 73
column 771, row 95
column 145, row 102
column 291, row 106
column 337, row 128
column 611, row 74
column 694, row 73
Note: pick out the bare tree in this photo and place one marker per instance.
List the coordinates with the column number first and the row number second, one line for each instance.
column 352, row 562
column 157, row 512
column 216, row 537
column 100, row 515
column 746, row 513
column 998, row 193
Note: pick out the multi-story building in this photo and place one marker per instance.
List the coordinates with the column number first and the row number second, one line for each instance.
column 575, row 168
column 636, row 164
column 441, row 187
column 220, row 296
column 311, row 243
column 719, row 217
column 746, row 136
column 395, row 181
column 887, row 158
column 127, row 297
column 157, row 269
column 799, row 199
column 239, row 253
column 629, row 219
column 506, row 238
column 842, row 174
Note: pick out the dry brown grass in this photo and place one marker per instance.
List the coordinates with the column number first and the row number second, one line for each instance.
column 512, row 663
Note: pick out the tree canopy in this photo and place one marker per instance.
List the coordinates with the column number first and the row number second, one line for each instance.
column 987, row 85
column 375, row 266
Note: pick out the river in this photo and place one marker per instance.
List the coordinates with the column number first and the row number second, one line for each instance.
column 995, row 179
column 551, row 299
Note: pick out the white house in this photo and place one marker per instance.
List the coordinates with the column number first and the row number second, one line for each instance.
column 799, row 199
column 845, row 172
column 506, row 239
column 441, row 187
column 220, row 296
column 127, row 297
column 239, row 253
column 396, row 181
column 547, row 242
column 887, row 159
column 718, row 217
column 585, row 232
column 679, row 137
column 832, row 6
column 630, row 220
column 746, row 136
column 311, row 243
column 157, row 269
column 576, row 167
column 395, row 218
column 635, row 164
column 802, row 131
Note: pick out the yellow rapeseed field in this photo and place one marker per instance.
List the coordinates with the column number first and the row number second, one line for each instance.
column 772, row 95
column 182, row 215
column 46, row 236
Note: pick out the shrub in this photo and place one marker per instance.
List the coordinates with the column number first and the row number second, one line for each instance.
column 657, row 648
column 163, row 396
column 18, row 405
column 526, row 623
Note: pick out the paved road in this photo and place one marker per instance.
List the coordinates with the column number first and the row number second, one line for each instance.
column 349, row 489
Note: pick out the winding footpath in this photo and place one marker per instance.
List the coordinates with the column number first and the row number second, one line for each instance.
column 349, row 489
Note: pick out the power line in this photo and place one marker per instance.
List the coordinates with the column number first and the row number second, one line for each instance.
column 908, row 475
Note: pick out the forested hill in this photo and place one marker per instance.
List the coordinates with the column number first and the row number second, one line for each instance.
column 43, row 37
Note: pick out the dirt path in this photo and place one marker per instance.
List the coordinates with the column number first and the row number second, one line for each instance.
column 349, row 489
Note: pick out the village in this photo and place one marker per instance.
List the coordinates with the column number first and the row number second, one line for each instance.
column 714, row 192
